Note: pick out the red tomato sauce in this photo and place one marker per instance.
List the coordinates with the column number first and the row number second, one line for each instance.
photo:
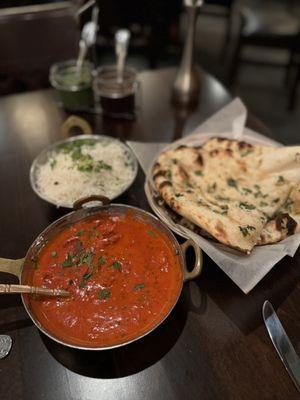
column 123, row 276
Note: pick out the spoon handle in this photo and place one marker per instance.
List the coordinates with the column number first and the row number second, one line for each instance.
column 7, row 288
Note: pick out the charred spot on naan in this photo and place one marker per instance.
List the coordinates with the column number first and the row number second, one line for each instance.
column 183, row 173
column 159, row 173
column 244, row 145
column 199, row 160
column 286, row 222
column 220, row 230
column 165, row 184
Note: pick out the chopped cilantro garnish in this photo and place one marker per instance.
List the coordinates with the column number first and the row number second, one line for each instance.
column 54, row 254
column 247, row 206
column 169, row 174
column 86, row 258
column 138, row 287
column 151, row 233
column 101, row 260
column 246, row 153
column 101, row 165
column 85, row 278
column 274, row 201
column 80, row 232
column 68, row 261
column 53, row 163
column 245, row 229
column 280, row 180
column 246, row 190
column 212, row 188
column 116, row 265
column 263, row 204
column 78, row 246
column 287, row 204
column 232, row 182
column 178, row 194
column 221, row 198
column 199, row 173
column 103, row 294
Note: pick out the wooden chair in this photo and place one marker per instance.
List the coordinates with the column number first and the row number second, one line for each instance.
column 153, row 25
column 264, row 26
column 33, row 38
column 223, row 9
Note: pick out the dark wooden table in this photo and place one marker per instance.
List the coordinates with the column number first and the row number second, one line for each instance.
column 213, row 345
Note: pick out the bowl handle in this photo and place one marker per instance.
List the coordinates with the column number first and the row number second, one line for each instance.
column 196, row 271
column 75, row 122
column 80, row 202
column 13, row 267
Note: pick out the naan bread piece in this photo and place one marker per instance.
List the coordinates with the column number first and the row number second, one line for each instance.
column 286, row 223
column 220, row 188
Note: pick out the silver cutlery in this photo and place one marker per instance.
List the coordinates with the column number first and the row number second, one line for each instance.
column 282, row 343
column 5, row 345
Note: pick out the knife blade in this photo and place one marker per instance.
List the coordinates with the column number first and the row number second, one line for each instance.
column 282, row 343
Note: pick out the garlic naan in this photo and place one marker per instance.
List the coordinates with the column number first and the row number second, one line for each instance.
column 230, row 189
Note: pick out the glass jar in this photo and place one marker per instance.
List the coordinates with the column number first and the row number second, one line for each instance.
column 74, row 87
column 116, row 98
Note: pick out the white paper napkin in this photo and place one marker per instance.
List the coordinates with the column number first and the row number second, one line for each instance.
column 245, row 270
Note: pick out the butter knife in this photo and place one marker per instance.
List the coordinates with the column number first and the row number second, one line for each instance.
column 282, row 343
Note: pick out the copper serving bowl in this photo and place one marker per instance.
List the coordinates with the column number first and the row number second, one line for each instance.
column 24, row 268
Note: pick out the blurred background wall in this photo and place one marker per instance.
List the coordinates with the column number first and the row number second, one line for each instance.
column 251, row 46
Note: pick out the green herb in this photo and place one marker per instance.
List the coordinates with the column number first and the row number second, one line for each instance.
column 54, row 254
column 223, row 212
column 103, row 294
column 78, row 246
column 93, row 234
column 151, row 233
column 178, row 194
column 280, row 180
column 169, row 174
column 274, row 201
column 76, row 155
column 247, row 206
column 263, row 204
column 199, row 173
column 101, row 260
column 80, row 232
column 260, row 194
column 77, row 144
column 221, row 198
column 187, row 184
column 84, row 279
column 174, row 160
column 85, row 163
column 232, row 183
column 86, row 258
column 246, row 190
column 245, row 230
column 287, row 204
column 53, row 163
column 71, row 282
column 138, row 287
column 116, row 265
column 257, row 187
column 68, row 261
column 247, row 152
column 212, row 188
column 101, row 165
